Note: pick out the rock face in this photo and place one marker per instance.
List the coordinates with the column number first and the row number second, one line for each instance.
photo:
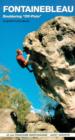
column 36, row 124
column 6, row 122
column 53, row 56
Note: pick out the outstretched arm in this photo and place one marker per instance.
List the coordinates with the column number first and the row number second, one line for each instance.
column 26, row 61
column 28, row 57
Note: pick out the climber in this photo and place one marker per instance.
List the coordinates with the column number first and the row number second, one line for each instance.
column 22, row 61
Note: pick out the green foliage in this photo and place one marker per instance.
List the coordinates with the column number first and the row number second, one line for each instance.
column 12, row 97
column 4, row 77
column 15, row 99
column 20, row 103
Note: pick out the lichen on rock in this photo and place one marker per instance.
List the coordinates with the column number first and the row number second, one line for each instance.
column 53, row 56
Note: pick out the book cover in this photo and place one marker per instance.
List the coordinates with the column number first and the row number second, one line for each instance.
column 37, row 69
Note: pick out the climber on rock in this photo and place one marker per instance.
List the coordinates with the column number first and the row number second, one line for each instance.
column 24, row 63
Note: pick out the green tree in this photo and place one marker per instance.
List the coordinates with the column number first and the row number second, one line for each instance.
column 4, row 77
column 12, row 97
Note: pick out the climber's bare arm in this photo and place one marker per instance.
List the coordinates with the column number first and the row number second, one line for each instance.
column 28, row 57
column 26, row 61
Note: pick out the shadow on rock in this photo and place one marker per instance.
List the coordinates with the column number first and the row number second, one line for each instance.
column 20, row 128
column 61, row 122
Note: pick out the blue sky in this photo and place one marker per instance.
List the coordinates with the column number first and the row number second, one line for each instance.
column 11, row 37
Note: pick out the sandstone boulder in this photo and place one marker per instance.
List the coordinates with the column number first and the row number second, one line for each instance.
column 36, row 124
column 53, row 56
column 6, row 122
